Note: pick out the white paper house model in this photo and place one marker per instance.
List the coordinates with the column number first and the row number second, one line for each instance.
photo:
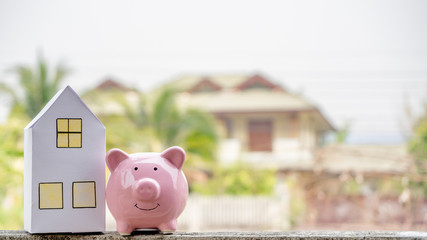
column 64, row 172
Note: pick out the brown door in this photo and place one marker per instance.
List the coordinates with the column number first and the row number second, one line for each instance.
column 260, row 135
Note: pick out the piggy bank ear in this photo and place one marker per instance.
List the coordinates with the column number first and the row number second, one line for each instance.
column 114, row 157
column 175, row 155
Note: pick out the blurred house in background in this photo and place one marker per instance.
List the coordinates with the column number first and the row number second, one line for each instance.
column 337, row 185
column 260, row 122
column 319, row 186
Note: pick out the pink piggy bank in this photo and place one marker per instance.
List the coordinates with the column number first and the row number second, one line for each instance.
column 146, row 190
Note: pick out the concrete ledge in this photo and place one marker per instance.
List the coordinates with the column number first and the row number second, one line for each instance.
column 290, row 235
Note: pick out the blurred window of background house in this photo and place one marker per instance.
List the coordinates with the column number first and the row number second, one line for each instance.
column 296, row 115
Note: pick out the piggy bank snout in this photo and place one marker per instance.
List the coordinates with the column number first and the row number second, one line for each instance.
column 146, row 189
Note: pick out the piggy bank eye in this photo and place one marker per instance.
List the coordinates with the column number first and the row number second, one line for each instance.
column 136, row 168
column 155, row 169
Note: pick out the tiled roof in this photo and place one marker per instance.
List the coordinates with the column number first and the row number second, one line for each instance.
column 186, row 82
column 110, row 84
column 246, row 101
column 240, row 94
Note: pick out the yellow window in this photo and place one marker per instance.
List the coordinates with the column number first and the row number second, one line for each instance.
column 75, row 140
column 69, row 132
column 50, row 195
column 75, row 125
column 62, row 125
column 62, row 140
column 84, row 194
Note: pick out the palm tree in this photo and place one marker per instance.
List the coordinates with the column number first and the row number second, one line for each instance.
column 37, row 86
column 167, row 125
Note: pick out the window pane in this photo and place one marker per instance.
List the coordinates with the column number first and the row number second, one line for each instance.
column 62, row 125
column 84, row 195
column 62, row 140
column 260, row 135
column 69, row 132
column 75, row 140
column 50, row 195
column 75, row 125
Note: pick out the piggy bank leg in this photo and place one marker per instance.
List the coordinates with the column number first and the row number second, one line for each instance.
column 124, row 228
column 168, row 227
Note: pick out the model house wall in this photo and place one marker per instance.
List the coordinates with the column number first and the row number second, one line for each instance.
column 64, row 175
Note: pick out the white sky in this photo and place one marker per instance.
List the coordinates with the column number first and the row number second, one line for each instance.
column 359, row 61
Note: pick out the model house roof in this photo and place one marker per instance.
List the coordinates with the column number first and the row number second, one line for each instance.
column 65, row 92
column 220, row 94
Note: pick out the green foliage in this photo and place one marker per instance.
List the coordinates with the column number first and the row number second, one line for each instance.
column 11, row 172
column 37, row 85
column 418, row 147
column 418, row 143
column 418, row 188
column 122, row 137
column 342, row 133
column 297, row 203
column 391, row 186
column 238, row 179
column 387, row 186
column 161, row 124
column 121, row 131
column 351, row 187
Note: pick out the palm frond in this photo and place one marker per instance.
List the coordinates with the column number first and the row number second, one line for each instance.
column 166, row 117
column 60, row 74
column 9, row 90
column 42, row 81
column 36, row 86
